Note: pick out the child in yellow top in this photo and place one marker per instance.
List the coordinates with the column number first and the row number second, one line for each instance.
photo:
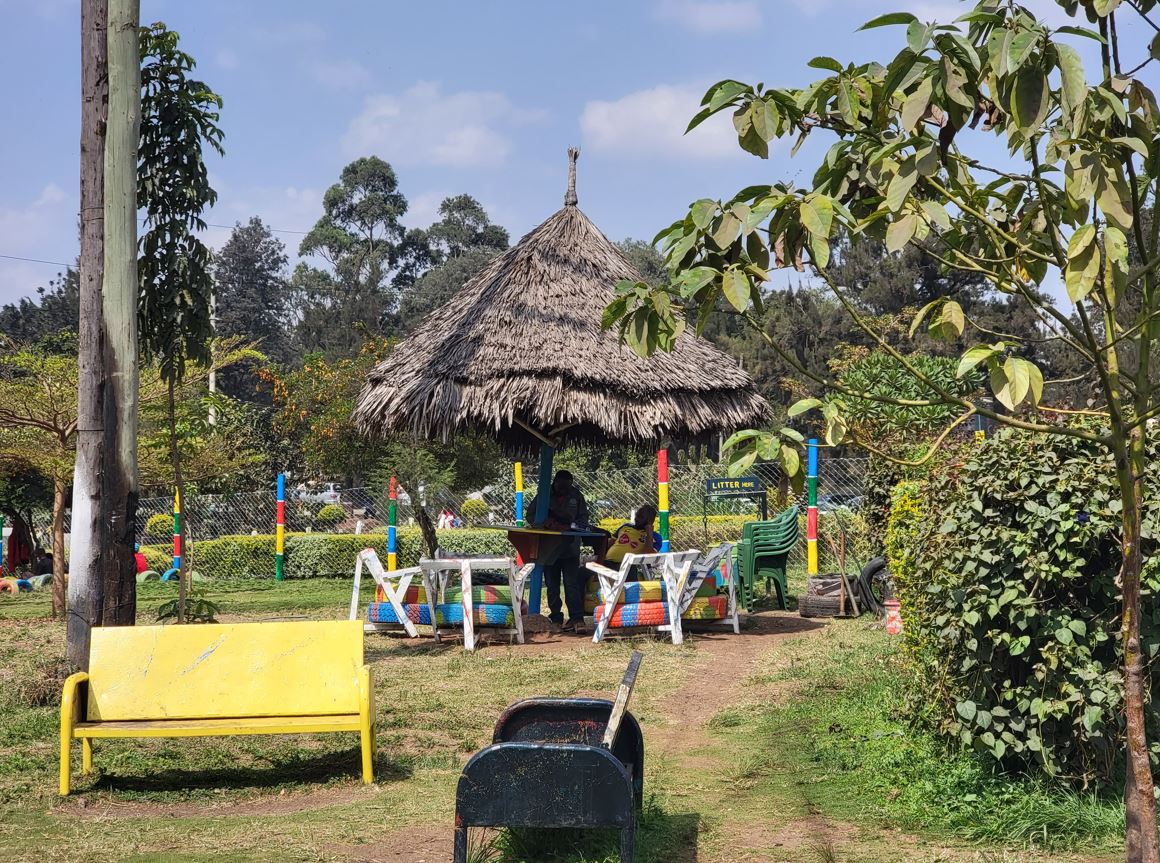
column 635, row 537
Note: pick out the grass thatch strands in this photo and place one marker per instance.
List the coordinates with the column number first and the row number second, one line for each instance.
column 521, row 345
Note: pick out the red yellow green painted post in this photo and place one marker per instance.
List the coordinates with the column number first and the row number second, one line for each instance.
column 519, row 494
column 812, row 511
column 280, row 529
column 663, row 496
column 177, row 531
column 392, row 537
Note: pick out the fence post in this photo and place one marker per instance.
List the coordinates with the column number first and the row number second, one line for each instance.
column 812, row 511
column 519, row 494
column 392, row 548
column 663, row 495
column 280, row 528
column 177, row 532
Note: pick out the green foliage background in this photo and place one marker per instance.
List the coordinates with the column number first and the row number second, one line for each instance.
column 1007, row 571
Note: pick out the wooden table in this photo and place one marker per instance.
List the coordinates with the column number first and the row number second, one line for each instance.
column 527, row 540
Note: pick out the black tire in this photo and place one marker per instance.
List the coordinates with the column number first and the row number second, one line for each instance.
column 817, row 606
column 876, row 577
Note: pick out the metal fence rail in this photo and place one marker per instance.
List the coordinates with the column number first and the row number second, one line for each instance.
column 611, row 497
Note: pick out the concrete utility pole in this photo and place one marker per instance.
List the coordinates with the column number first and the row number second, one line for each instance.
column 102, row 585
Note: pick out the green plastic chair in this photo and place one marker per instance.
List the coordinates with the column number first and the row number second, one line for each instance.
column 763, row 553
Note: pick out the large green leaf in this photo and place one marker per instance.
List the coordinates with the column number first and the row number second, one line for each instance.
column 1030, row 100
column 949, row 323
column 937, row 215
column 1114, row 197
column 1083, row 263
column 803, row 405
column 1020, row 48
column 827, row 63
column 901, row 232
column 817, row 213
column 1116, row 251
column 819, row 250
column 702, row 212
column 1074, row 89
column 735, row 286
column 901, row 185
column 888, row 19
column 974, row 356
column 916, row 104
column 727, row 231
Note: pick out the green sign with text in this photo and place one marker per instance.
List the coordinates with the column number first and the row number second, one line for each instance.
column 733, row 485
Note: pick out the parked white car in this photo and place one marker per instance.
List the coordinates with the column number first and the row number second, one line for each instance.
column 329, row 493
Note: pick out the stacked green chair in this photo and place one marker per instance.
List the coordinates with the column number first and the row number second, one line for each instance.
column 763, row 553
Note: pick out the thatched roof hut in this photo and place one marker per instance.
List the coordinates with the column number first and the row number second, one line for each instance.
column 519, row 352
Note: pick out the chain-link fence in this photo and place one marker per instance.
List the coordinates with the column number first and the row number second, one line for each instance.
column 698, row 519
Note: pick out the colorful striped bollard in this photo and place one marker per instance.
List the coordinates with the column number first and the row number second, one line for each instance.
column 280, row 529
column 177, row 531
column 812, row 511
column 519, row 494
column 392, row 538
column 663, row 496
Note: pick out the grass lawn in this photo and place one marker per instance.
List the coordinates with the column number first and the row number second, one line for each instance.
column 779, row 744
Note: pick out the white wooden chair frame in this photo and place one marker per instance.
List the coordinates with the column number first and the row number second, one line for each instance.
column 685, row 582
column 439, row 573
column 612, row 583
column 394, row 584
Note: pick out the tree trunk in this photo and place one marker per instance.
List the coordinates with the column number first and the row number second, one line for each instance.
column 1141, row 841
column 119, row 298
column 179, row 484
column 427, row 528
column 89, row 550
column 58, row 490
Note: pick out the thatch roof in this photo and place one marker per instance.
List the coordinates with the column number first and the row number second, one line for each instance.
column 520, row 351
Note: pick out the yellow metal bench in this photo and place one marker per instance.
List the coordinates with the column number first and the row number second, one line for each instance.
column 240, row 678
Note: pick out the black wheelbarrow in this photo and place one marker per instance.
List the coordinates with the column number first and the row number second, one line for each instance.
column 557, row 762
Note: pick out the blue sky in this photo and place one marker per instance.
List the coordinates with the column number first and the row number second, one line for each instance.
column 466, row 96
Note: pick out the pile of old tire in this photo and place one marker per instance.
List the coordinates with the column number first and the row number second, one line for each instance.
column 823, row 592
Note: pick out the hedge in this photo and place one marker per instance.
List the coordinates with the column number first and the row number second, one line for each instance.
column 1007, row 569
column 309, row 555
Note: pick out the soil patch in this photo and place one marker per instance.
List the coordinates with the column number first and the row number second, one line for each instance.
column 273, row 804
column 413, row 845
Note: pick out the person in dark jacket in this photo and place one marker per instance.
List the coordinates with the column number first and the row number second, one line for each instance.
column 567, row 509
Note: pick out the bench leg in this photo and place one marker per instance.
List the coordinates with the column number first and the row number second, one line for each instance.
column 626, row 844
column 86, row 755
column 460, row 855
column 65, row 758
column 367, row 737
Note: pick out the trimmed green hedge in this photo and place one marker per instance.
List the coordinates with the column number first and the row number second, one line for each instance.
column 309, row 555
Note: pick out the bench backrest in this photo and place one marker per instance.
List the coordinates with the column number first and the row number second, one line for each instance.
column 294, row 668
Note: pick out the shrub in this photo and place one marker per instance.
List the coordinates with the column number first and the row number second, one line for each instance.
column 1009, row 581
column 309, row 555
column 329, row 516
column 158, row 557
column 474, row 511
column 159, row 526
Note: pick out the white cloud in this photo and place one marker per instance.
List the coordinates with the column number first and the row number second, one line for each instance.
column 46, row 229
column 288, row 210
column 941, row 11
column 340, row 73
column 725, row 16
column 426, row 126
column 227, row 59
column 652, row 123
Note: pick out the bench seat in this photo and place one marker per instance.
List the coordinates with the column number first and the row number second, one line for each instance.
column 215, row 727
column 299, row 677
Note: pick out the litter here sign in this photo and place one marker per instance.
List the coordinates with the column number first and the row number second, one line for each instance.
column 733, row 485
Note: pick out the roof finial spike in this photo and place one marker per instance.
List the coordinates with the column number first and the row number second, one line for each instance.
column 570, row 197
